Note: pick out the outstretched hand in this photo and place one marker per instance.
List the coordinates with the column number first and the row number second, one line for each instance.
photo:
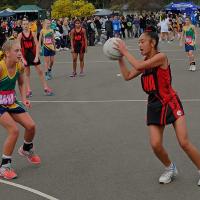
column 121, row 47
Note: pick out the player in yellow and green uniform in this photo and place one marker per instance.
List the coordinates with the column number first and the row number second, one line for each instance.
column 12, row 111
column 189, row 36
column 8, row 102
column 47, row 36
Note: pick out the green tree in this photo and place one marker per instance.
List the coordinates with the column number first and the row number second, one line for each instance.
column 61, row 8
column 80, row 8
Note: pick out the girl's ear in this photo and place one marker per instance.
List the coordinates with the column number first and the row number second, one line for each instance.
column 153, row 44
column 6, row 53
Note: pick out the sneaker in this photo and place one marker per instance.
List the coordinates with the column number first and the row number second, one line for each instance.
column 48, row 92
column 193, row 68
column 29, row 94
column 190, row 68
column 168, row 175
column 7, row 172
column 50, row 75
column 47, row 77
column 30, row 155
column 66, row 49
column 74, row 74
column 82, row 74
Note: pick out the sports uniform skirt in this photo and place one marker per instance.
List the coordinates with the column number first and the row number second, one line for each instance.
column 29, row 56
column 159, row 113
column 79, row 47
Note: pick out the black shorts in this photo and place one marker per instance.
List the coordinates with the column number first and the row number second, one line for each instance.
column 161, row 114
column 29, row 57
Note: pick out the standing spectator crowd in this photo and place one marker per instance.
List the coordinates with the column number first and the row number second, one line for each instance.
column 99, row 29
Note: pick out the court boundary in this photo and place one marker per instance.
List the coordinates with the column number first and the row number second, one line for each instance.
column 103, row 101
column 28, row 189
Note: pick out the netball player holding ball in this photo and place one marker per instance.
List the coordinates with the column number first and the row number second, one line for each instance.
column 164, row 106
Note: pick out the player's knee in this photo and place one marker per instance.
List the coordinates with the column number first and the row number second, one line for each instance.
column 31, row 127
column 51, row 63
column 190, row 54
column 40, row 73
column 185, row 144
column 14, row 131
column 156, row 146
column 27, row 73
column 74, row 60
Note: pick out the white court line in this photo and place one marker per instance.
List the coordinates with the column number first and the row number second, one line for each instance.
column 28, row 189
column 108, row 101
column 94, row 61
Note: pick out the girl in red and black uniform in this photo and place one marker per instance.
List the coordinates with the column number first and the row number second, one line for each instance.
column 79, row 46
column 30, row 56
column 164, row 106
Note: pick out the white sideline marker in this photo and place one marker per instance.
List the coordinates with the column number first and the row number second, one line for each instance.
column 105, row 101
column 28, row 189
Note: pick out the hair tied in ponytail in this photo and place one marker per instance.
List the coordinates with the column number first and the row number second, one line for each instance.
column 2, row 55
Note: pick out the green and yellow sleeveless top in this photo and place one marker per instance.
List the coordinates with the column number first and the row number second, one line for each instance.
column 6, row 81
column 189, row 33
column 48, row 37
column 7, row 86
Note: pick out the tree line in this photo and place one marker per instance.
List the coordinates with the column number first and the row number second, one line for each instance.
column 115, row 4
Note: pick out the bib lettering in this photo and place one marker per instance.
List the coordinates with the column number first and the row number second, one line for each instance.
column 48, row 40
column 148, row 83
column 7, row 97
column 28, row 44
column 188, row 40
column 78, row 37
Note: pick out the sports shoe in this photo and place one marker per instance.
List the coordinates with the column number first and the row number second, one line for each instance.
column 29, row 94
column 199, row 179
column 50, row 75
column 48, row 92
column 7, row 172
column 30, row 155
column 190, row 68
column 81, row 74
column 73, row 74
column 169, row 174
column 193, row 68
column 47, row 77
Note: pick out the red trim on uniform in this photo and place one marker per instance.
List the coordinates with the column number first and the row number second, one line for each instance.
column 175, row 106
column 163, row 109
column 165, row 115
column 6, row 92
